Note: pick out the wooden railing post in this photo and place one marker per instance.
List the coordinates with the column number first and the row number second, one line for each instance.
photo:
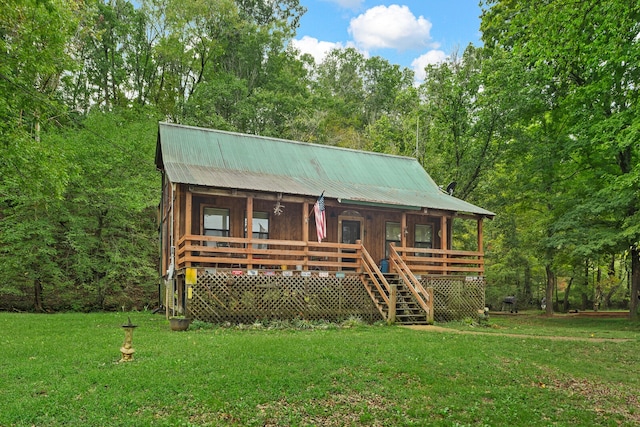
column 249, row 246
column 187, row 220
column 444, row 243
column 429, row 305
column 480, row 246
column 393, row 301
column 305, row 233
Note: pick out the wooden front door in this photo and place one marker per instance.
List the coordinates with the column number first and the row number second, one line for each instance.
column 350, row 232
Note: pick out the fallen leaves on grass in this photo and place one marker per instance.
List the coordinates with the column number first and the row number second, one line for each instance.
column 604, row 399
column 334, row 410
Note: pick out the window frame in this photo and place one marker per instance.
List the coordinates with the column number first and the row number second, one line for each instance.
column 257, row 234
column 423, row 244
column 221, row 232
column 388, row 241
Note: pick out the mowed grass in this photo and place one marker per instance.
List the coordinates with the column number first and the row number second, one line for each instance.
column 63, row 369
column 562, row 325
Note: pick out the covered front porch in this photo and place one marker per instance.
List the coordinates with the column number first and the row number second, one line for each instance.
column 244, row 279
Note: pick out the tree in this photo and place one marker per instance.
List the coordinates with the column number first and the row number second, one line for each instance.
column 79, row 190
column 106, row 221
column 584, row 55
column 33, row 40
column 469, row 112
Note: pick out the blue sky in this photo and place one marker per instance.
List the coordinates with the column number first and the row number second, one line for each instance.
column 411, row 33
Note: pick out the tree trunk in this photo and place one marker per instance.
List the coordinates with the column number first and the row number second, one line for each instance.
column 606, row 303
column 611, row 274
column 37, row 296
column 565, row 304
column 555, row 289
column 597, row 297
column 635, row 283
column 528, row 294
column 549, row 290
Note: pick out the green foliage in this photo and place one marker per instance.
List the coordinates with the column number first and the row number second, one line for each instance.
column 93, row 246
column 540, row 125
column 577, row 57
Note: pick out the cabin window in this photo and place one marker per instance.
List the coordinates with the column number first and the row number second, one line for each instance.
column 392, row 235
column 259, row 228
column 216, row 223
column 423, row 237
column 260, row 225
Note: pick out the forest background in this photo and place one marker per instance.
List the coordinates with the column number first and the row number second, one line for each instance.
column 540, row 125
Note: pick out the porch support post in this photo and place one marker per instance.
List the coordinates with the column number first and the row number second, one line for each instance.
column 177, row 212
column 444, row 241
column 176, row 222
column 403, row 230
column 480, row 246
column 305, row 221
column 443, row 233
column 187, row 222
column 305, row 232
column 249, row 232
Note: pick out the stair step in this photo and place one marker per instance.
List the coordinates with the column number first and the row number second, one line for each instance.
column 411, row 315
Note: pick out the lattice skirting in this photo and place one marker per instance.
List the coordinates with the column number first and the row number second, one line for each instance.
column 455, row 298
column 220, row 296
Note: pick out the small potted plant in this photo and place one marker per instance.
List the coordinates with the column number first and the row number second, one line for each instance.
column 179, row 323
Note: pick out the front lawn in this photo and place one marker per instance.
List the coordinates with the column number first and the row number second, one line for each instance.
column 63, row 369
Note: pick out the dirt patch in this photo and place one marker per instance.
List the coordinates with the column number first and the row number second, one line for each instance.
column 432, row 328
column 574, row 313
column 603, row 314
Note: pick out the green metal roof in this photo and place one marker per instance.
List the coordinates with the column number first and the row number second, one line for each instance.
column 214, row 158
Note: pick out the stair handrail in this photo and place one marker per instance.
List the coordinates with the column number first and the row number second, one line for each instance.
column 410, row 280
column 376, row 275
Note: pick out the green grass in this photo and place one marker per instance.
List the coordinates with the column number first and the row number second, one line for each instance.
column 563, row 325
column 62, row 370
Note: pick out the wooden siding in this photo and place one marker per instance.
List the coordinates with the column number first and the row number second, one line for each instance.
column 291, row 226
column 288, row 225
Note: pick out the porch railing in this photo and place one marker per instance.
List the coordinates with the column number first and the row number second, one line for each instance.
column 442, row 262
column 373, row 278
column 235, row 252
column 423, row 296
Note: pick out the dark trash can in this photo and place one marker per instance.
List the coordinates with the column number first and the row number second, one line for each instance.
column 384, row 266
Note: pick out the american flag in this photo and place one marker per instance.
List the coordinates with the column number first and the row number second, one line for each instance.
column 321, row 220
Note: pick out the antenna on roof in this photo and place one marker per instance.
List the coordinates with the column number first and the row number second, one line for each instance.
column 451, row 187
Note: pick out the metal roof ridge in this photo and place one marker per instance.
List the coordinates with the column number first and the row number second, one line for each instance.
column 290, row 141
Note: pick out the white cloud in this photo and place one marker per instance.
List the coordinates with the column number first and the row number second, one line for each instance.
column 430, row 58
column 390, row 27
column 347, row 4
column 316, row 48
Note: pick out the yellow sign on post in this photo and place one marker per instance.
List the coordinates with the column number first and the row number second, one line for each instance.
column 191, row 276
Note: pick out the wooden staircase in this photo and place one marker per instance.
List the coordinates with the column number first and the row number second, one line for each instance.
column 407, row 310
column 399, row 297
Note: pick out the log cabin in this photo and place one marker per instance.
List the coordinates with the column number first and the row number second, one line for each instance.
column 254, row 228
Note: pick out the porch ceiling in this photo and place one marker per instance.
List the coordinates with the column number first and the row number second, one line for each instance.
column 220, row 159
